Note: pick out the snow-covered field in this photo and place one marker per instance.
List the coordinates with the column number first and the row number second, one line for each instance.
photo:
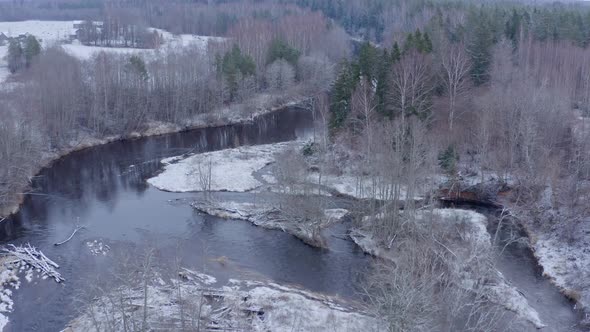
column 58, row 33
column 240, row 306
column 48, row 31
column 231, row 169
column 84, row 52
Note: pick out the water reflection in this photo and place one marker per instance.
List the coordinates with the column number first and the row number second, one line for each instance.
column 104, row 189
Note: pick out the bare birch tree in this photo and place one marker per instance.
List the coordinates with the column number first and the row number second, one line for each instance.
column 455, row 68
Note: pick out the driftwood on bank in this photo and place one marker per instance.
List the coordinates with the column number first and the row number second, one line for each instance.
column 35, row 258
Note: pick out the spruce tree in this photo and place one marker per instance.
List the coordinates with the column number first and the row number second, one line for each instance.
column 396, row 54
column 32, row 49
column 342, row 94
column 368, row 60
column 409, row 43
column 480, row 42
column 427, row 43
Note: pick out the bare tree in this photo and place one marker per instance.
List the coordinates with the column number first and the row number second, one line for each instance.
column 411, row 86
column 363, row 107
column 280, row 75
column 455, row 68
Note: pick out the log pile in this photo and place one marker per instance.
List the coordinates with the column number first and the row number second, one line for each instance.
column 35, row 258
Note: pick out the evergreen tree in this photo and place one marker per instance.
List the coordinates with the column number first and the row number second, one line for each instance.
column 278, row 49
column 513, row 27
column 15, row 56
column 368, row 61
column 418, row 41
column 32, row 49
column 342, row 94
column 137, row 66
column 236, row 66
column 480, row 40
column 427, row 43
column 396, row 54
column 409, row 43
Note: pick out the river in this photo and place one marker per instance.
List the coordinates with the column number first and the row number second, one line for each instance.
column 104, row 189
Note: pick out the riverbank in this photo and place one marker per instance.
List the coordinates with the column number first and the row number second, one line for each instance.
column 278, row 218
column 231, row 115
column 464, row 234
column 192, row 302
column 559, row 250
column 566, row 263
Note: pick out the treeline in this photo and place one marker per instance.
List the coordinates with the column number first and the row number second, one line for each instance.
column 114, row 32
column 21, row 52
column 64, row 100
column 466, row 103
column 382, row 20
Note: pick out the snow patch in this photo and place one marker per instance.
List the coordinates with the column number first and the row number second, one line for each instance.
column 244, row 306
column 9, row 269
column 231, row 170
column 98, row 248
column 84, row 52
column 48, row 31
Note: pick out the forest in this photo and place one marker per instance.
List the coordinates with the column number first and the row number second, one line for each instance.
column 418, row 101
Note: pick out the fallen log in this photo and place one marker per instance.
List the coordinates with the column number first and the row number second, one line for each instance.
column 71, row 236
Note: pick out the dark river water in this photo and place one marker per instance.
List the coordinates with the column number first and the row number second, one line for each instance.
column 105, row 190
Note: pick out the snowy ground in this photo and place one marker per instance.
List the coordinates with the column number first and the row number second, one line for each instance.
column 240, row 306
column 84, row 52
column 566, row 263
column 231, row 169
column 58, row 33
column 477, row 240
column 11, row 271
column 267, row 216
column 47, row 31
column 234, row 170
